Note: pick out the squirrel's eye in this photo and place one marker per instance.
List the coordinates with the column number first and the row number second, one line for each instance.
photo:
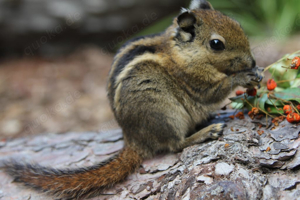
column 217, row 45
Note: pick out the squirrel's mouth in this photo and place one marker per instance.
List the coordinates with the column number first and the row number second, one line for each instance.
column 257, row 70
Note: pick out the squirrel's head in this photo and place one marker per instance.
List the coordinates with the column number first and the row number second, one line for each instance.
column 206, row 37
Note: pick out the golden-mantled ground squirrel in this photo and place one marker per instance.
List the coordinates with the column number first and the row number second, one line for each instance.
column 160, row 87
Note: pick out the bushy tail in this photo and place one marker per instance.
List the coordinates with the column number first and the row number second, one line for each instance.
column 79, row 183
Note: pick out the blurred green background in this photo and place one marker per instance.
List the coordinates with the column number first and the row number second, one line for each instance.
column 259, row 18
column 57, row 27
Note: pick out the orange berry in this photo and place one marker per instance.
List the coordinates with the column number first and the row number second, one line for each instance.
column 276, row 120
column 231, row 117
column 296, row 117
column 240, row 115
column 226, row 145
column 298, row 107
column 290, row 118
column 251, row 115
column 295, row 63
column 271, row 84
column 239, row 92
column 268, row 149
column 255, row 110
column 293, row 117
column 260, row 132
column 251, row 92
column 281, row 118
column 287, row 109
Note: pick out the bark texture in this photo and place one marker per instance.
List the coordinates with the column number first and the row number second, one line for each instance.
column 242, row 164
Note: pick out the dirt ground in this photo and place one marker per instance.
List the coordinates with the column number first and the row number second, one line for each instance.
column 67, row 94
column 55, row 95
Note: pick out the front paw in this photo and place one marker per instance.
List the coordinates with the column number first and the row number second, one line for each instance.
column 259, row 74
column 251, row 78
column 215, row 130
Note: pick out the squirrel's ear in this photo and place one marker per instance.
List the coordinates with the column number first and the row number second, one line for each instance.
column 200, row 4
column 186, row 22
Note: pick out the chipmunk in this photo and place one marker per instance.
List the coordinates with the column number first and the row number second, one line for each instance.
column 160, row 88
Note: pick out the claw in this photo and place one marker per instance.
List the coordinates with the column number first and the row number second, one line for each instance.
column 260, row 78
column 258, row 73
column 258, row 86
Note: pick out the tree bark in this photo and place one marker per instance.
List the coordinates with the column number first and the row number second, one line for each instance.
column 240, row 165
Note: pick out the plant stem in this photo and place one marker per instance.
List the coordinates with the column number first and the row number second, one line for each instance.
column 276, row 108
column 259, row 109
column 288, row 102
column 279, row 61
column 288, row 80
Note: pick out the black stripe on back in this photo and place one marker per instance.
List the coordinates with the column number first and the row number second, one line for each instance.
column 138, row 38
column 129, row 56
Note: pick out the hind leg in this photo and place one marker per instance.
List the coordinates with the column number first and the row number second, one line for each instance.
column 213, row 131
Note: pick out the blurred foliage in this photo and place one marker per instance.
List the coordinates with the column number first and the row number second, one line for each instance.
column 280, row 72
column 265, row 18
column 159, row 26
column 279, row 18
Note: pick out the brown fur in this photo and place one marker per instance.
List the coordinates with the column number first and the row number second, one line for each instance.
column 80, row 183
column 160, row 88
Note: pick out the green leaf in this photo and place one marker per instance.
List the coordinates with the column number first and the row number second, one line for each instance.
column 238, row 99
column 290, row 94
column 295, row 83
column 237, row 106
column 273, row 110
column 239, row 102
column 262, row 101
column 273, row 102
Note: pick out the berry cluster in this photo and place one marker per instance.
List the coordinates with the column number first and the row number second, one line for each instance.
column 292, row 116
column 287, row 108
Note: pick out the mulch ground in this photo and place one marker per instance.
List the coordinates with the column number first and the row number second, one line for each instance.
column 55, row 95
